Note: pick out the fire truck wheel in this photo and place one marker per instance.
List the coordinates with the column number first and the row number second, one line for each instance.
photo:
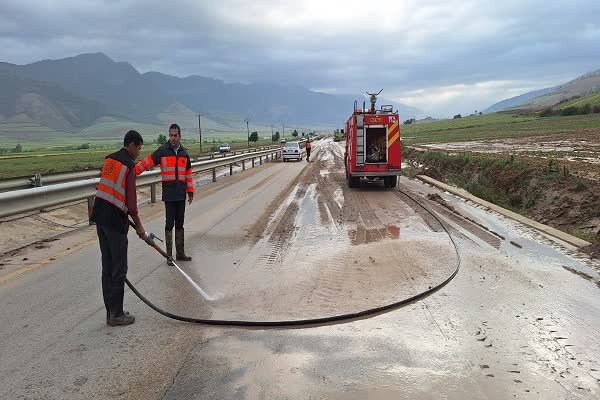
column 390, row 181
column 354, row 181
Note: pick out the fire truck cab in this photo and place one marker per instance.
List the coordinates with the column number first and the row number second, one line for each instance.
column 373, row 149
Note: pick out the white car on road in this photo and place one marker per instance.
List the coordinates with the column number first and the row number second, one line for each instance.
column 293, row 151
column 224, row 148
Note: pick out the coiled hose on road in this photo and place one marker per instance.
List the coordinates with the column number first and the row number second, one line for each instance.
column 313, row 321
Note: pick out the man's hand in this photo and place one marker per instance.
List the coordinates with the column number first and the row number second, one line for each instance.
column 140, row 231
column 190, row 197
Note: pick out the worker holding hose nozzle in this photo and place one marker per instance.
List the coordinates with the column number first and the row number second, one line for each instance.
column 116, row 199
column 177, row 181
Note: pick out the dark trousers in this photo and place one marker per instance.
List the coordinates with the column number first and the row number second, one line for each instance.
column 174, row 214
column 113, row 246
column 307, row 153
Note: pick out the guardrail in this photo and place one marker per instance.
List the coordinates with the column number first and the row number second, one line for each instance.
column 25, row 200
column 38, row 180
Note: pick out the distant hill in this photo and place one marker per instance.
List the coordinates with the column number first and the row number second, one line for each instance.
column 72, row 93
column 517, row 100
column 29, row 100
column 117, row 85
column 593, row 100
column 261, row 101
column 584, row 85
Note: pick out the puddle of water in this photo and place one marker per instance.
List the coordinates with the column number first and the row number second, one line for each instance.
column 538, row 247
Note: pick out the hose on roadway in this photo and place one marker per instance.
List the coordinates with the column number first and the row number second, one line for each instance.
column 304, row 322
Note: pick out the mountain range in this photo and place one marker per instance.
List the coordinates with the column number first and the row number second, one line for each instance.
column 72, row 93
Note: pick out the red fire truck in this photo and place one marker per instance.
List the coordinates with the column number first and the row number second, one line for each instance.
column 373, row 148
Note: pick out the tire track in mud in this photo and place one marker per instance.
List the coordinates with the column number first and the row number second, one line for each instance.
column 332, row 278
column 418, row 208
column 280, row 240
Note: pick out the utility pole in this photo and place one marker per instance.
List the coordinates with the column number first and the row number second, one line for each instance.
column 283, row 133
column 200, row 134
column 248, row 129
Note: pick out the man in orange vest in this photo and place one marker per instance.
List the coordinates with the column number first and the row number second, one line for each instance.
column 308, row 146
column 116, row 199
column 177, row 181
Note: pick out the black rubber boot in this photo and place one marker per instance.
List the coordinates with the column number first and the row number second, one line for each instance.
column 179, row 246
column 169, row 244
column 121, row 319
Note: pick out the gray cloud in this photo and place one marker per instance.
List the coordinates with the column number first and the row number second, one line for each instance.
column 443, row 56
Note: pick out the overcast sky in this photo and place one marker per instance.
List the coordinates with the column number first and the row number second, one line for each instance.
column 444, row 57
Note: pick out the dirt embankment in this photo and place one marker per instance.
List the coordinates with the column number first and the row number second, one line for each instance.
column 549, row 193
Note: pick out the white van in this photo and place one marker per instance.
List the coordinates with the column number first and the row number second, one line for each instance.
column 293, row 151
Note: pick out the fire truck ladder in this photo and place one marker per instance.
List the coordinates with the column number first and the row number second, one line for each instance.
column 360, row 139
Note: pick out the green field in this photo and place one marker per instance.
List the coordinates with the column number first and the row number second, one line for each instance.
column 496, row 126
column 33, row 137
column 29, row 163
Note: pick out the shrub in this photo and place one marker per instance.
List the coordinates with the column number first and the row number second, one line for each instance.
column 572, row 110
column 586, row 108
column 580, row 184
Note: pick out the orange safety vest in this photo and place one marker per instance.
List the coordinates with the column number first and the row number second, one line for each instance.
column 113, row 183
column 308, row 145
column 173, row 168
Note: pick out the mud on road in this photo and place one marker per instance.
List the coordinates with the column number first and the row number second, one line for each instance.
column 519, row 320
column 328, row 250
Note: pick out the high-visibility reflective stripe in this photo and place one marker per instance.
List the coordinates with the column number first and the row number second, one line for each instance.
column 391, row 129
column 393, row 139
column 111, row 199
column 109, row 192
column 118, row 185
column 113, row 186
column 145, row 164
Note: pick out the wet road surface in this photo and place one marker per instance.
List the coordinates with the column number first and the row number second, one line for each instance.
column 290, row 241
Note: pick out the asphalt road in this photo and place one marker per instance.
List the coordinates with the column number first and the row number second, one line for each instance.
column 290, row 241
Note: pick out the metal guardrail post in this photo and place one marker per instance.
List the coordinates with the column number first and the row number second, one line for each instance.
column 230, row 169
column 243, row 165
column 90, row 205
column 37, row 180
column 153, row 193
column 214, row 171
column 252, row 162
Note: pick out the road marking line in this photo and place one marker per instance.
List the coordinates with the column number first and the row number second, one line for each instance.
column 55, row 257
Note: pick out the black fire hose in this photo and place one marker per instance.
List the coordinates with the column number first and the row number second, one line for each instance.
column 149, row 239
